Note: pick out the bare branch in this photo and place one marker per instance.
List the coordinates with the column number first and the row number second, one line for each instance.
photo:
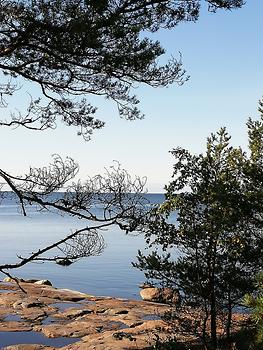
column 114, row 198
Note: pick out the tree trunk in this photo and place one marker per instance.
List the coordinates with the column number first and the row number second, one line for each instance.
column 213, row 314
column 213, row 311
column 204, row 335
column 229, row 320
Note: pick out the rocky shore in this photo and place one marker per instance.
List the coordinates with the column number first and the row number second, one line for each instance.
column 36, row 316
column 70, row 320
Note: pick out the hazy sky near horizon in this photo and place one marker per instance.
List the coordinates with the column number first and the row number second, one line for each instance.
column 223, row 55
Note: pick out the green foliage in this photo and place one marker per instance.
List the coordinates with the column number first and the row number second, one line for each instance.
column 215, row 247
column 255, row 301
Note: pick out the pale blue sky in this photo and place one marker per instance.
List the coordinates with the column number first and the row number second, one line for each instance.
column 222, row 53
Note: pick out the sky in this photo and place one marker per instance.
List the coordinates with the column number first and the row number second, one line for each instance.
column 223, row 55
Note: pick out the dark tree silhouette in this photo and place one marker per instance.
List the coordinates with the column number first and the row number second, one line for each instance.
column 213, row 250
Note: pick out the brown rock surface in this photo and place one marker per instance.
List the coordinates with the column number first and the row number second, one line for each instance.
column 14, row 326
column 97, row 323
column 161, row 295
column 100, row 322
column 129, row 338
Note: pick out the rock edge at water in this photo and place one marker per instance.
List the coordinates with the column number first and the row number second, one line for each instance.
column 96, row 322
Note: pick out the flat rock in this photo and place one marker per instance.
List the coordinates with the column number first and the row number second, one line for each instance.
column 14, row 326
column 102, row 323
column 76, row 313
column 33, row 314
column 136, row 338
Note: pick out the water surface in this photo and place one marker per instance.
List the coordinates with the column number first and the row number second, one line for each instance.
column 109, row 274
column 15, row 338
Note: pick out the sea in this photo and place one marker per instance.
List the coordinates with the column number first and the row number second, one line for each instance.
column 109, row 274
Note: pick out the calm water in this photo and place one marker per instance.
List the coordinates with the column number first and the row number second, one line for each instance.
column 108, row 274
column 14, row 338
